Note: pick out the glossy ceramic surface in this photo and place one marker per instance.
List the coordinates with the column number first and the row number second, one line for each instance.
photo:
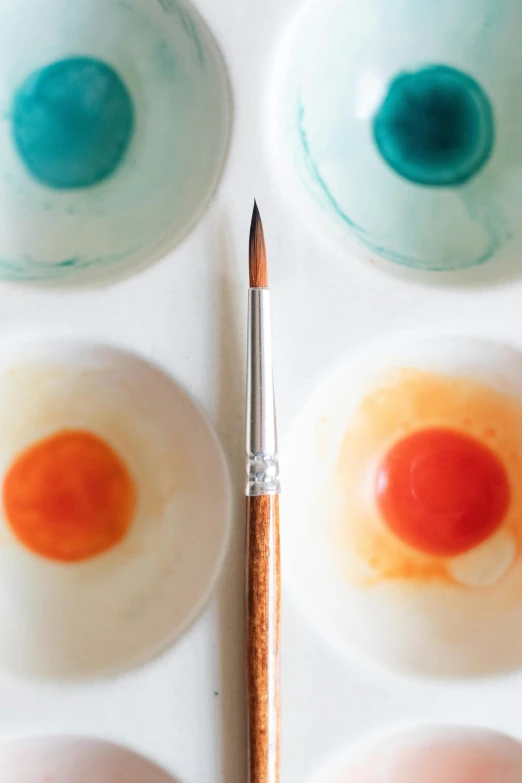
column 62, row 759
column 451, row 754
column 446, row 611
column 115, row 119
column 395, row 127
column 114, row 608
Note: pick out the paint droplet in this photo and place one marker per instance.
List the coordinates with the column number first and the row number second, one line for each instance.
column 69, row 497
column 442, row 492
column 72, row 122
column 435, row 126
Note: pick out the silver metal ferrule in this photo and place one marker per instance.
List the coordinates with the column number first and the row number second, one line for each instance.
column 261, row 429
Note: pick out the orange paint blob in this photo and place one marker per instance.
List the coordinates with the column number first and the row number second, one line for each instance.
column 442, row 492
column 407, row 402
column 69, row 497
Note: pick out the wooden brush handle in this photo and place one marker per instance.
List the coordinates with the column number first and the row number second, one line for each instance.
column 263, row 622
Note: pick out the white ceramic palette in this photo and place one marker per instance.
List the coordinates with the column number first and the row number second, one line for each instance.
column 169, row 641
column 69, row 612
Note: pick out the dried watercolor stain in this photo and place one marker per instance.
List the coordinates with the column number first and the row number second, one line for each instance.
column 415, row 429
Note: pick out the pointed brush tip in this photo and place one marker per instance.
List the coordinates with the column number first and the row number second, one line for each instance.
column 257, row 253
column 256, row 217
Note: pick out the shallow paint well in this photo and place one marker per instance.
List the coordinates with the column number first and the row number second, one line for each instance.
column 432, row 755
column 113, row 133
column 406, row 549
column 72, row 122
column 63, row 759
column 396, row 134
column 116, row 509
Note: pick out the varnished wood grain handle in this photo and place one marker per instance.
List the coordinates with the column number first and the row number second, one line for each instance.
column 263, row 584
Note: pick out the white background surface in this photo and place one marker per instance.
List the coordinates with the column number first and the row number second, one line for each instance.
column 188, row 312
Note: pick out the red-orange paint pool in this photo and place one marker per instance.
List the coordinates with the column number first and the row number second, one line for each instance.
column 69, row 497
column 442, row 492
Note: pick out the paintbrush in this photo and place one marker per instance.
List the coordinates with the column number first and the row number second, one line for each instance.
column 263, row 555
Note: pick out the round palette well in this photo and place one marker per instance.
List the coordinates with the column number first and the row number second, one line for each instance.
column 406, row 547
column 65, row 759
column 394, row 130
column 449, row 754
column 116, row 509
column 115, row 122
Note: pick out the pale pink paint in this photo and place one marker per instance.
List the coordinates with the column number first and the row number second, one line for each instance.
column 74, row 760
column 437, row 756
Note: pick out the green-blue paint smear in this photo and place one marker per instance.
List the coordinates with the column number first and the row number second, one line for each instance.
column 28, row 269
column 330, row 203
column 435, row 126
column 186, row 21
column 72, row 122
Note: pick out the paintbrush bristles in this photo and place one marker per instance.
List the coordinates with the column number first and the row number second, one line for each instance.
column 257, row 252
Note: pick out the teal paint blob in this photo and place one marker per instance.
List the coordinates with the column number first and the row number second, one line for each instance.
column 72, row 122
column 435, row 127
